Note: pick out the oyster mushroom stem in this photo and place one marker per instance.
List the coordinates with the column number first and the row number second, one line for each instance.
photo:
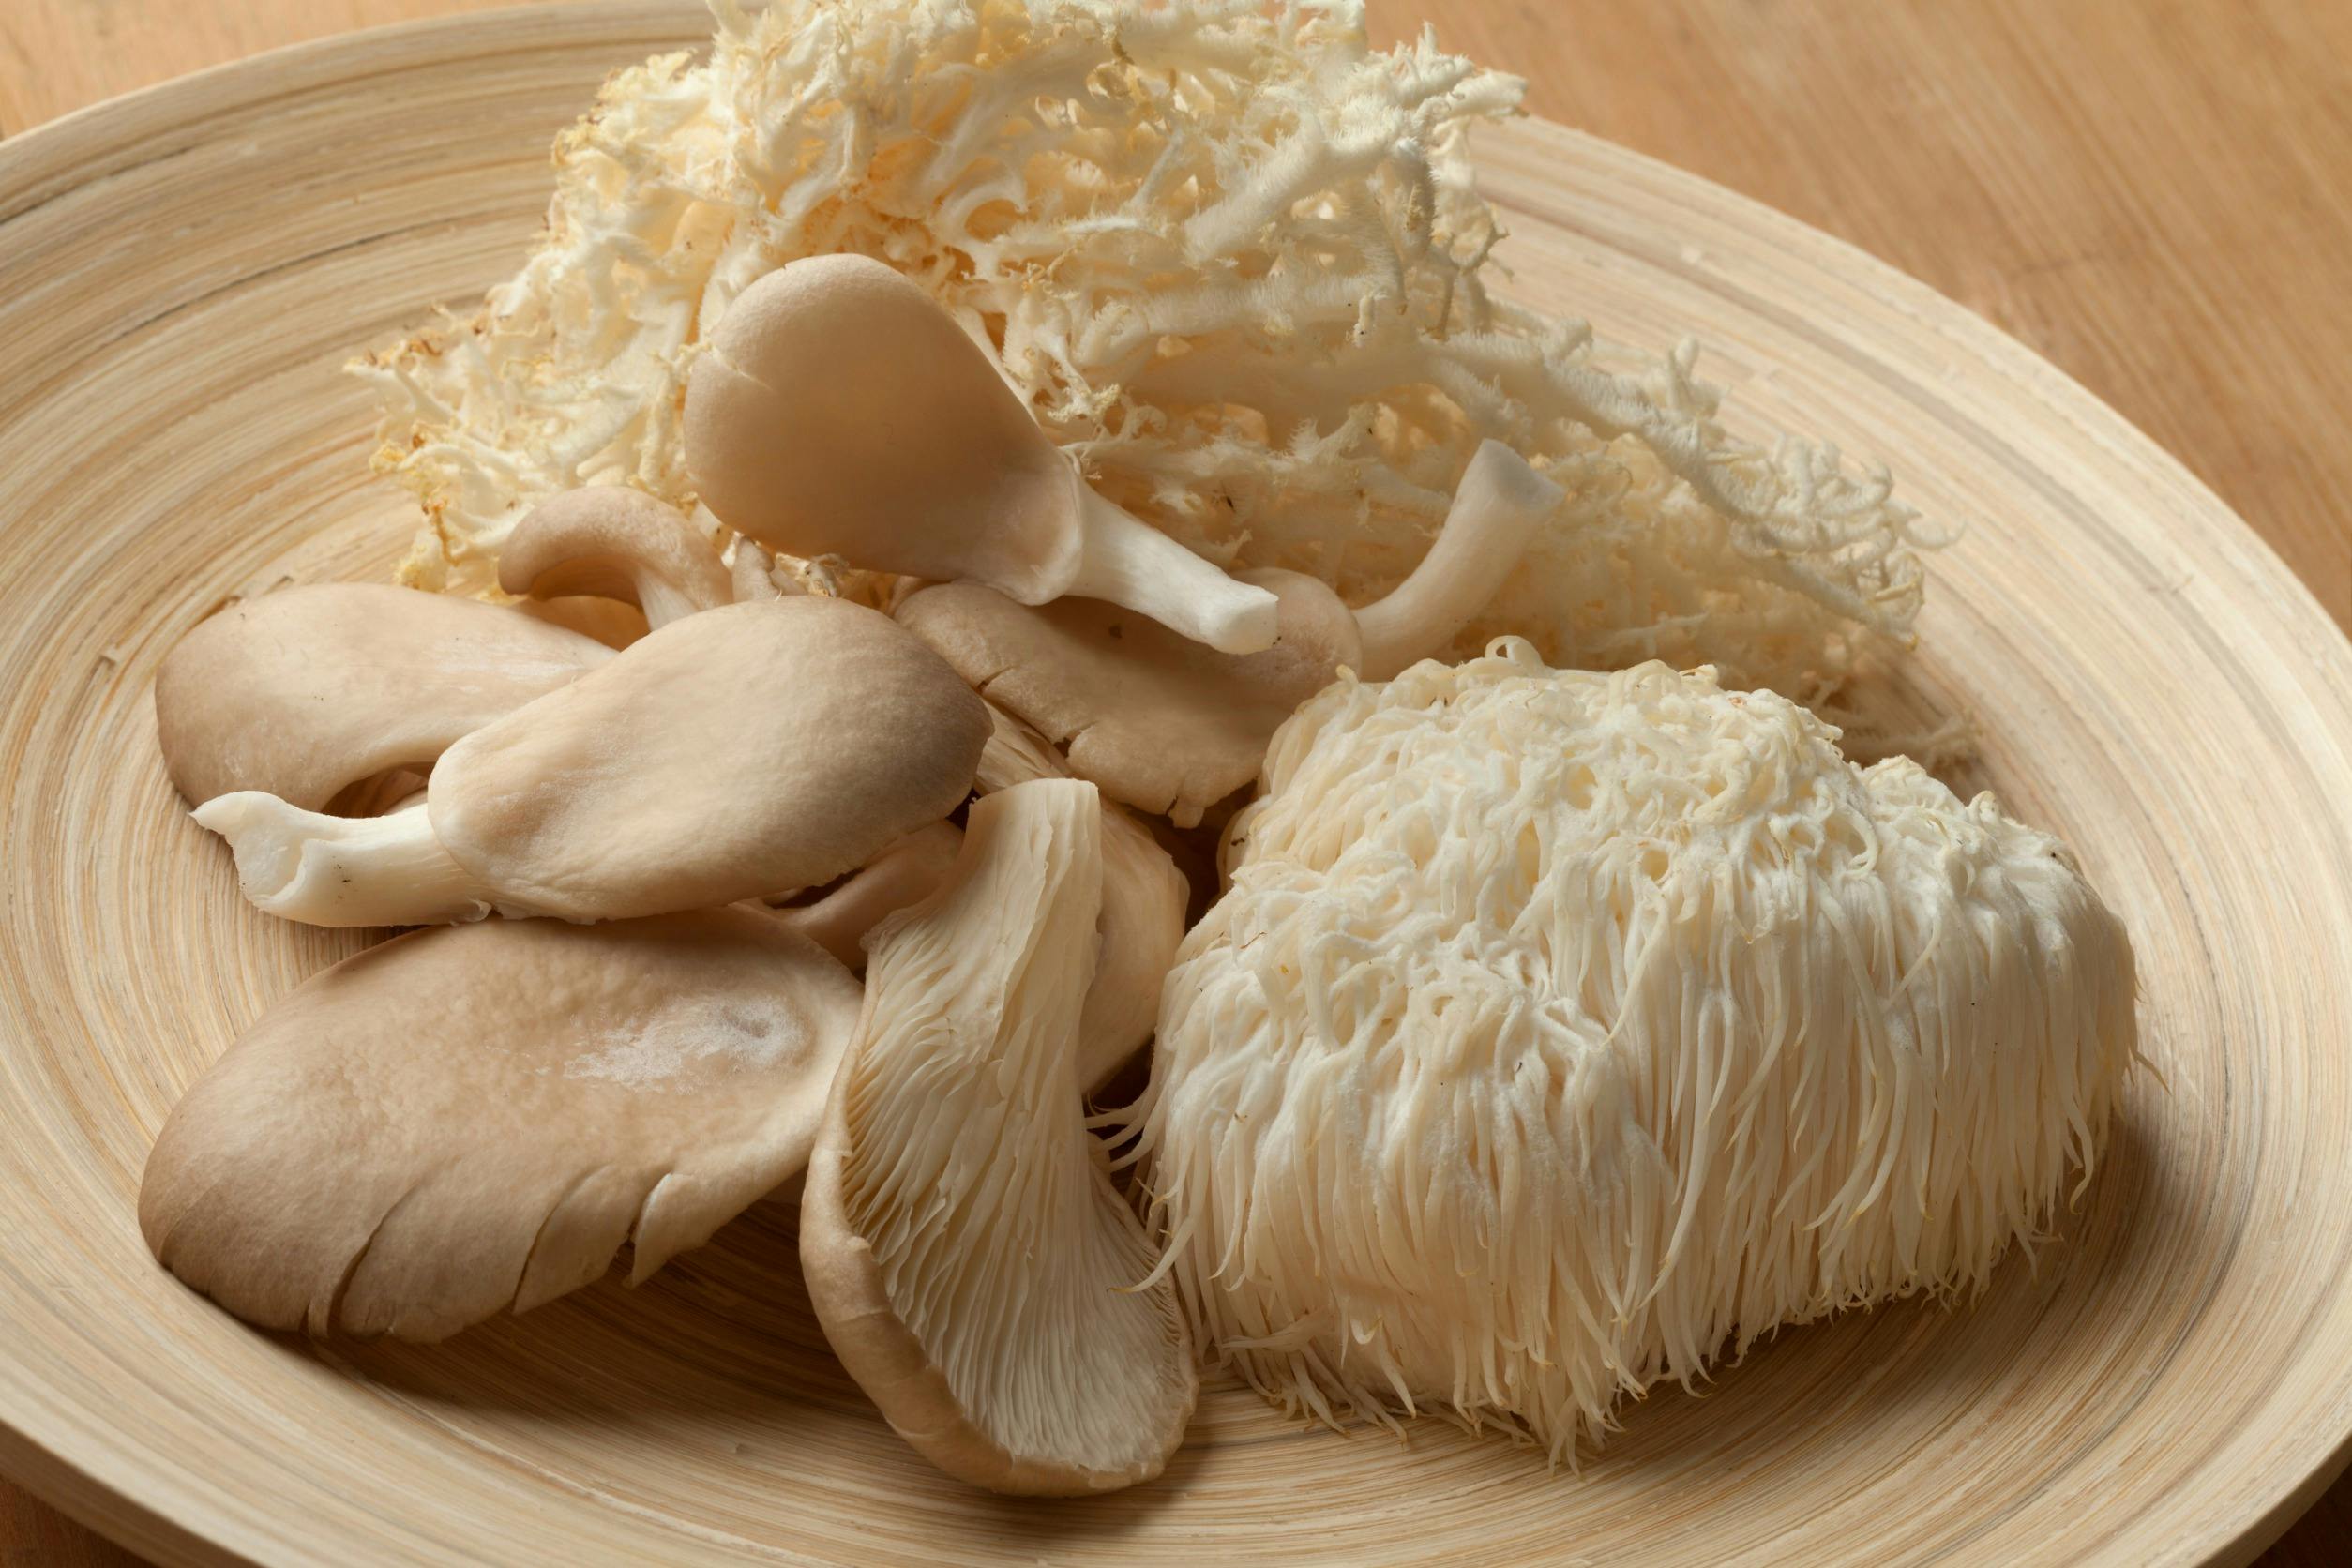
column 323, row 870
column 611, row 542
column 1132, row 564
column 1497, row 508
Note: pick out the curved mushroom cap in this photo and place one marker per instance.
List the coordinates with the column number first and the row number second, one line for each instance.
column 476, row 1117
column 1145, row 899
column 1159, row 722
column 611, row 542
column 806, row 379
column 906, row 873
column 837, row 411
column 965, row 1250
column 737, row 753
column 309, row 690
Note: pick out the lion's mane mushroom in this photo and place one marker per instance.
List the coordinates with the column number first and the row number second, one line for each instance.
column 738, row 753
column 460, row 1121
column 311, row 691
column 837, row 411
column 1168, row 726
column 1144, row 898
column 967, row 1254
column 1560, row 1032
column 611, row 542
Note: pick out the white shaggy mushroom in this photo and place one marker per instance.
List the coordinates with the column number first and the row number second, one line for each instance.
column 1559, row 1030
column 970, row 1261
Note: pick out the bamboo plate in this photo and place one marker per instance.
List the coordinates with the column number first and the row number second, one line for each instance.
column 181, row 273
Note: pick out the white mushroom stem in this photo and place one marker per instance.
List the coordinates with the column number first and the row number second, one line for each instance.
column 616, row 543
column 752, row 571
column 1495, row 510
column 323, row 870
column 1132, row 564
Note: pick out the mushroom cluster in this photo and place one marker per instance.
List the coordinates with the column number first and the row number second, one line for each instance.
column 863, row 836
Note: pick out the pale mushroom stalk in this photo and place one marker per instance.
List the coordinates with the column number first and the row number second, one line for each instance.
column 323, row 870
column 1128, row 562
column 611, row 542
column 906, row 873
column 1497, row 508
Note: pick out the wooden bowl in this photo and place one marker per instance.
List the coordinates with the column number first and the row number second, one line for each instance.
column 181, row 274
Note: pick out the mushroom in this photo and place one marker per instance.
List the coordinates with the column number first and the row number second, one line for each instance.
column 309, row 691
column 1561, row 1032
column 735, row 754
column 1170, row 727
column 611, row 542
column 1145, row 899
column 838, row 917
column 462, row 1121
column 966, row 1252
column 836, row 410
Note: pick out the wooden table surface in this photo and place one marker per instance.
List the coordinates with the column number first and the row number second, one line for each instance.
column 2152, row 194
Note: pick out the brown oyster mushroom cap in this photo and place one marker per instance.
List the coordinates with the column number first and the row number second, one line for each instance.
column 837, row 410
column 466, row 1120
column 1158, row 722
column 967, row 1254
column 1144, row 899
column 308, row 691
column 906, row 873
column 734, row 754
column 611, row 542
column 739, row 753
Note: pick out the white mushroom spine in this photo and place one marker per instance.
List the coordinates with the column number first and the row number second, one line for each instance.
column 1499, row 506
column 324, row 870
column 1132, row 564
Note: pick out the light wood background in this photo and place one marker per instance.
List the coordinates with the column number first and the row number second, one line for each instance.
column 2149, row 192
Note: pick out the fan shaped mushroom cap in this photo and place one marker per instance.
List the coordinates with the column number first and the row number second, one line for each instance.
column 1168, row 726
column 837, row 411
column 1158, row 722
column 468, row 1119
column 611, row 542
column 966, row 1252
column 307, row 691
column 741, row 752
column 1144, row 898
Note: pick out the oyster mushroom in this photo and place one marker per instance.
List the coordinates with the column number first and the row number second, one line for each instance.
column 966, row 1252
column 735, row 754
column 906, row 873
column 311, row 691
column 1168, row 726
column 611, row 542
column 836, row 410
column 1142, row 922
column 462, row 1121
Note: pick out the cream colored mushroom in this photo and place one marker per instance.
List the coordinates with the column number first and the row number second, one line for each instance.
column 1142, row 924
column 836, row 410
column 459, row 1121
column 1168, row 726
column 611, row 542
column 906, row 873
column 966, row 1252
column 312, row 691
column 735, row 754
